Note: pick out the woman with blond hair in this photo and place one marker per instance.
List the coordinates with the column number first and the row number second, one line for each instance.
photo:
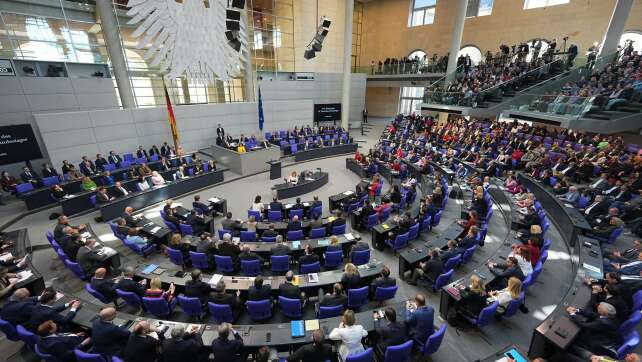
column 350, row 278
column 156, row 290
column 349, row 334
column 508, row 294
column 473, row 297
column 334, row 244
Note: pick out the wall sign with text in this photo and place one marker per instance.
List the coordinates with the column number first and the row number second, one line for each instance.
column 6, row 68
column 17, row 144
column 327, row 112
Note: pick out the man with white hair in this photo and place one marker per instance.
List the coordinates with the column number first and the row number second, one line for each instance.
column 599, row 332
column 227, row 248
column 184, row 346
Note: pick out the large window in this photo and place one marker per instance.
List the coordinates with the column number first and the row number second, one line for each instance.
column 635, row 36
column 422, row 12
column 473, row 52
column 479, row 8
column 410, row 98
column 532, row 4
column 419, row 54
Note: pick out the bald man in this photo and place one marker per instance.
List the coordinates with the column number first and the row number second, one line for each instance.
column 142, row 347
column 128, row 215
column 17, row 310
column 103, row 285
column 419, row 319
column 109, row 339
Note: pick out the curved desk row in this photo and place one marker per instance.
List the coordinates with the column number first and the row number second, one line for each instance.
column 31, row 277
column 354, row 166
column 325, row 152
column 288, row 190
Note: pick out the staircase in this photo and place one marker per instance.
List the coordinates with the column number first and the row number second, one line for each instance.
column 618, row 111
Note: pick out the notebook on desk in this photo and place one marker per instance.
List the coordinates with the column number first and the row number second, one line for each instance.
column 150, row 268
column 311, row 325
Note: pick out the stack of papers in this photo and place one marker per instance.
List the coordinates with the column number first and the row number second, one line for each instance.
column 214, row 200
column 215, row 279
column 591, row 268
column 349, row 236
column 348, row 193
column 313, row 278
column 153, row 230
column 311, row 325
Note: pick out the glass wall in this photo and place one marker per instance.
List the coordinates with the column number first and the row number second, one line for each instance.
column 410, row 98
column 271, row 34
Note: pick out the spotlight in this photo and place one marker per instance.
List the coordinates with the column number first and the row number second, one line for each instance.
column 326, row 23
column 316, row 44
column 233, row 15
column 240, row 4
column 309, row 54
column 233, row 25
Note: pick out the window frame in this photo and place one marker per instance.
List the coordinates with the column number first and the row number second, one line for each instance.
column 424, row 9
column 537, row 4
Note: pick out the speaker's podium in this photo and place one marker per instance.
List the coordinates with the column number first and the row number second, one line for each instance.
column 275, row 169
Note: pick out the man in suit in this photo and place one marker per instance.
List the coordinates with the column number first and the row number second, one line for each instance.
column 165, row 149
column 633, row 267
column 259, row 291
column 601, row 183
column 87, row 167
column 281, row 248
column 29, row 175
column 119, row 190
column 196, row 288
column 389, row 331
column 337, row 297
column 220, row 131
column 227, row 248
column 104, row 286
column 114, row 158
column 108, row 339
column 228, row 349
column 46, row 310
column 309, row 257
column 419, row 319
column 247, row 254
column 102, row 197
column 128, row 284
column 230, row 225
column 598, row 207
column 451, row 250
column 612, row 190
column 141, row 152
column 270, row 232
column 288, row 289
column 164, row 164
column 275, row 205
column 429, row 270
column 197, row 222
column 206, row 246
column 48, row 171
column 59, row 345
column 383, row 281
column 470, row 239
column 18, row 308
column 100, row 162
column 197, row 204
column 503, row 272
column 69, row 242
column 604, row 219
column 88, row 257
column 220, row 296
column 128, row 215
column 318, row 351
column 184, row 346
column 294, row 224
column 571, row 197
column 141, row 346
column 599, row 333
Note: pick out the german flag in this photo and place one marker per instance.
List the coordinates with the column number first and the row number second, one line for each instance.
column 172, row 119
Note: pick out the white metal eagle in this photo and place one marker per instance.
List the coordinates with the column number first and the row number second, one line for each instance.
column 187, row 38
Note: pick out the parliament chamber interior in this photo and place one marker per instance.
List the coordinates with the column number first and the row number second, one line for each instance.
column 335, row 180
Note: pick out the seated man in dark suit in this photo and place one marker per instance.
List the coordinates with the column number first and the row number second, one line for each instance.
column 246, row 254
column 338, row 221
column 221, row 297
column 128, row 215
column 318, row 351
column 100, row 162
column 114, row 158
column 60, row 345
column 225, row 349
column 70, row 242
column 29, row 175
column 294, row 224
column 298, row 205
column 337, row 297
column 196, row 288
column 206, row 245
column 128, row 284
column 197, row 222
column 503, row 272
column 197, row 204
column 258, row 291
column 87, row 167
column 281, row 248
column 227, row 248
column 102, row 197
column 420, row 319
column 184, row 346
column 46, row 310
column 88, row 257
column 18, row 308
column 276, row 205
column 429, row 270
column 599, row 333
column 230, row 225
column 451, row 250
column 289, row 290
column 470, row 239
column 383, row 281
column 270, row 232
column 104, row 286
column 309, row 257
column 108, row 339
column 389, row 331
column 141, row 345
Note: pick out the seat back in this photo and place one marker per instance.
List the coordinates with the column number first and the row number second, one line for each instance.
column 333, row 258
column 413, row 232
column 373, row 220
column 256, row 214
column 290, row 307
column 630, row 324
column 434, row 341
column 486, row 314
column 96, row 294
column 251, row 268
column 437, row 219
column 399, row 353
column 357, row 297
column 223, row 264
column 268, row 239
column 44, row 356
column 365, row 356
column 637, row 301
column 9, row 330
column 310, row 268
column 317, row 233
column 222, row 313
column 76, row 269
column 386, row 293
column 331, row 311
column 360, row 257
column 543, row 256
column 316, row 211
column 175, row 256
column 129, row 298
column 259, row 310
column 186, row 229
column 190, row 305
column 468, row 254
column 280, row 263
column 199, row 260
column 157, row 306
column 295, row 235
column 24, row 187
column 50, row 181
column 426, row 224
column 248, row 235
column 222, row 232
column 514, row 305
column 452, row 262
column 26, row 336
column 339, row 229
column 615, row 234
column 296, row 212
column 631, row 341
column 274, row 215
column 88, row 357
column 443, row 279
